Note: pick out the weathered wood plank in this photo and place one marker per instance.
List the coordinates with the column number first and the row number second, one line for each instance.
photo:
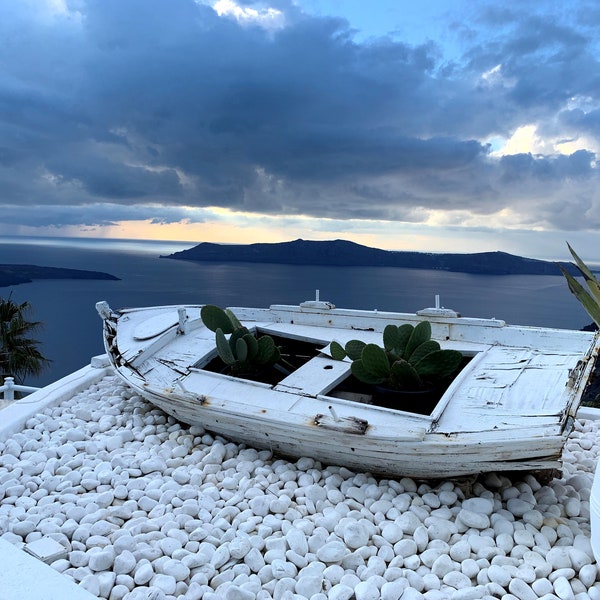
column 317, row 376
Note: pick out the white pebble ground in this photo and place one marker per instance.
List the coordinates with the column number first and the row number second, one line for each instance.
column 150, row 509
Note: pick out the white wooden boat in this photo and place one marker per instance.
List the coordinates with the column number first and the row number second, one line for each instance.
column 510, row 408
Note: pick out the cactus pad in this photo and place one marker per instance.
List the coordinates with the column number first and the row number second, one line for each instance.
column 223, row 348
column 337, row 351
column 216, row 318
column 441, row 363
column 375, row 361
column 420, row 334
column 404, row 376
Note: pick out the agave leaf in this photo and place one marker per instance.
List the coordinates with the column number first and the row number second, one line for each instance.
column 585, row 271
column 404, row 376
column 223, row 348
column 439, row 364
column 423, row 350
column 375, row 361
column 421, row 333
column 216, row 318
column 590, row 279
column 589, row 304
column 354, row 349
column 337, row 351
column 359, row 371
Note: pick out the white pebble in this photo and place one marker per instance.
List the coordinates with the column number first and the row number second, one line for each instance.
column 365, row 590
column 457, row 580
column 356, row 535
column 474, row 519
column 562, row 589
column 521, row 590
column 484, row 506
column 340, row 591
column 499, row 575
column 124, row 563
column 103, row 560
column 332, row 552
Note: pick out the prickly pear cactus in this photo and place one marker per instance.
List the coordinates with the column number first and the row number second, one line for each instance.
column 404, row 376
column 423, row 350
column 375, row 362
column 242, row 352
column 267, row 352
column 337, row 351
column 438, row 364
column 216, row 318
column 408, row 360
column 420, row 334
column 223, row 348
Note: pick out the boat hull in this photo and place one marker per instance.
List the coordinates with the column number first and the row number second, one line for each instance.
column 302, row 416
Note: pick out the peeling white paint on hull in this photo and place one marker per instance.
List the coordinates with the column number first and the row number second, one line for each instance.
column 510, row 408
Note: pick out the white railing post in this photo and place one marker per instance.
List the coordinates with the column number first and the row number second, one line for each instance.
column 9, row 388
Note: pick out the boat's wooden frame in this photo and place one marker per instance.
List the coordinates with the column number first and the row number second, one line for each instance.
column 511, row 408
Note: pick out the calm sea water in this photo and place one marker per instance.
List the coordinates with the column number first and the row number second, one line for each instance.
column 72, row 328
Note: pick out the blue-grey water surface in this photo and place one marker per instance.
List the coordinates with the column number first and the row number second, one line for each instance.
column 72, row 328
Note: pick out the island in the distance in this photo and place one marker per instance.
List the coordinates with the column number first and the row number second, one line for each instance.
column 344, row 253
column 17, row 274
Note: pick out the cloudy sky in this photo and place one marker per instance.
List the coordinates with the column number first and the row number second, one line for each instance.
column 437, row 125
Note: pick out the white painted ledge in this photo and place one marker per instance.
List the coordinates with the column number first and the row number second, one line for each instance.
column 14, row 416
column 23, row 577
column 587, row 412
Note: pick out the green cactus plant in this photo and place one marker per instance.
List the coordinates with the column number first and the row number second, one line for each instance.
column 409, row 359
column 242, row 352
column 590, row 300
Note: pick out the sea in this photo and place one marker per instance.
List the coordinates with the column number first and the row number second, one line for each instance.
column 72, row 330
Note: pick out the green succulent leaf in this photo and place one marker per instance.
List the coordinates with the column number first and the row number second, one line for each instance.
column 241, row 350
column 337, row 351
column 591, row 306
column 235, row 336
column 266, row 350
column 439, row 364
column 404, row 333
column 375, row 361
column 354, row 349
column 252, row 345
column 391, row 337
column 216, row 318
column 223, row 348
column 590, row 298
column 420, row 334
column 404, row 376
column 362, row 374
column 234, row 320
column 423, row 350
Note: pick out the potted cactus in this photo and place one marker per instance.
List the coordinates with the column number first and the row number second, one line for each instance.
column 410, row 367
column 243, row 354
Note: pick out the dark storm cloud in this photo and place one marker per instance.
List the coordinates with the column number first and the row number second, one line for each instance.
column 155, row 102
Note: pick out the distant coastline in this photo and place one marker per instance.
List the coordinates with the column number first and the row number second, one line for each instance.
column 350, row 254
column 19, row 274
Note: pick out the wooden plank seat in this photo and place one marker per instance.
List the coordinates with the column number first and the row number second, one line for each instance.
column 318, row 376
